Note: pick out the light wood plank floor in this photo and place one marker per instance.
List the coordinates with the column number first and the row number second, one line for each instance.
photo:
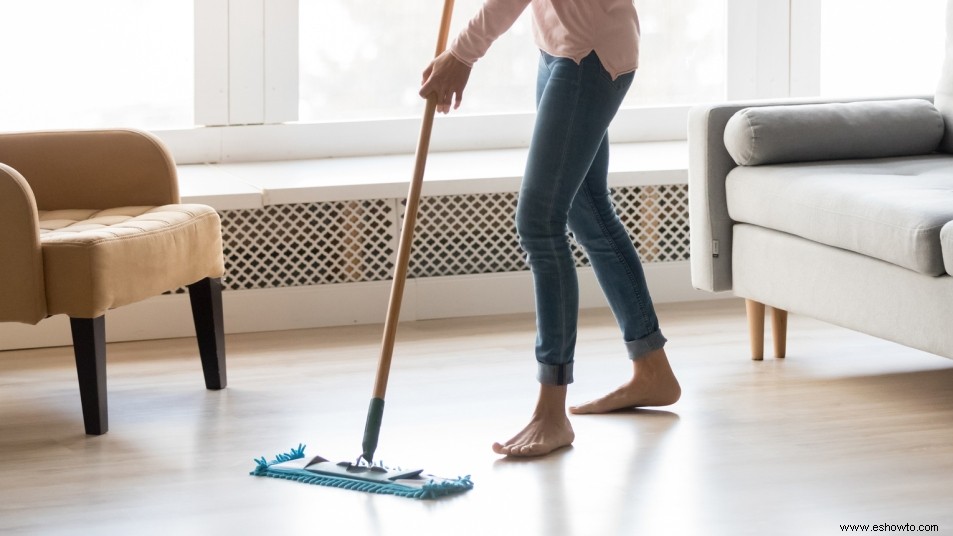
column 847, row 429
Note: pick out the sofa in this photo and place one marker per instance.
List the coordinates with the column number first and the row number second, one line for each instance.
column 836, row 210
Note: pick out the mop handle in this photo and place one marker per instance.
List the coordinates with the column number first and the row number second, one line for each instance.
column 376, row 409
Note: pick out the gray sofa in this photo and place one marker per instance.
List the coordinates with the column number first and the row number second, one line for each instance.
column 840, row 211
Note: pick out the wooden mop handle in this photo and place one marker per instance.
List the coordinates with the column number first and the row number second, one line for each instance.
column 410, row 219
column 375, row 412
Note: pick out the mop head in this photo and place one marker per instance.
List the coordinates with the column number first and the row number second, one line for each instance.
column 370, row 479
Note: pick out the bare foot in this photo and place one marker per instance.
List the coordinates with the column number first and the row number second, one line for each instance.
column 653, row 384
column 548, row 430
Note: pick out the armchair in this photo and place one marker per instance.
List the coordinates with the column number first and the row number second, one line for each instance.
column 91, row 221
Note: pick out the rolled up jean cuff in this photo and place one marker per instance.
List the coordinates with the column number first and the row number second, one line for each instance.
column 639, row 348
column 554, row 374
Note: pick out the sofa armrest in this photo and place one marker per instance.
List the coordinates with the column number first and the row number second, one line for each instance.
column 22, row 292
column 92, row 169
column 708, row 166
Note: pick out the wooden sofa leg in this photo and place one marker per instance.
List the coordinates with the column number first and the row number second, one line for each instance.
column 206, row 298
column 779, row 331
column 89, row 346
column 755, row 312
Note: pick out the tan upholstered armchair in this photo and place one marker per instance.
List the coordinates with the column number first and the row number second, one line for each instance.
column 90, row 221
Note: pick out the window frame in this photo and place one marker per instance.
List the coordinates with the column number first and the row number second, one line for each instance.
column 247, row 88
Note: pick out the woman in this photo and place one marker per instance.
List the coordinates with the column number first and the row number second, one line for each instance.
column 589, row 54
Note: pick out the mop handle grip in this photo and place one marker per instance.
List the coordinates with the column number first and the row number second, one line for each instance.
column 372, row 429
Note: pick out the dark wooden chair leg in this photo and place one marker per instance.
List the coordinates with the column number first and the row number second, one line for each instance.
column 206, row 298
column 89, row 346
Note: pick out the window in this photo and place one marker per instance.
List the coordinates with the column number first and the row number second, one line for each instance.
column 881, row 47
column 318, row 63
column 71, row 64
column 362, row 59
column 345, row 73
column 682, row 52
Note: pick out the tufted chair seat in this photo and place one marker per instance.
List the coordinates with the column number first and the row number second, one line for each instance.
column 91, row 221
column 95, row 260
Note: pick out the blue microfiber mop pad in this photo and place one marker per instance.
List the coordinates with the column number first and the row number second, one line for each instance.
column 293, row 466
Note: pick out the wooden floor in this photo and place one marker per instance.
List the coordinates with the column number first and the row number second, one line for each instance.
column 847, row 430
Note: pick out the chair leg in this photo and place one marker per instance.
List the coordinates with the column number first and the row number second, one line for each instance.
column 755, row 312
column 779, row 331
column 89, row 346
column 206, row 298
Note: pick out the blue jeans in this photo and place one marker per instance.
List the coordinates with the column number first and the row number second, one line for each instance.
column 565, row 187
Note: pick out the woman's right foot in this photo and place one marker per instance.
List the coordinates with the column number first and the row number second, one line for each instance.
column 548, row 430
column 540, row 437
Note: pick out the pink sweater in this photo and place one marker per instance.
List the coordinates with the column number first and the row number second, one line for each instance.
column 563, row 28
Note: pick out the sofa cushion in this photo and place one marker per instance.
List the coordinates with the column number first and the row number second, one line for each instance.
column 946, row 242
column 892, row 209
column 833, row 131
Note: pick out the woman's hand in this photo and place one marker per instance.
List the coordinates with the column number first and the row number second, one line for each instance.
column 446, row 77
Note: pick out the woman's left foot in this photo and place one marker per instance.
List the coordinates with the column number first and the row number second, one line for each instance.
column 653, row 384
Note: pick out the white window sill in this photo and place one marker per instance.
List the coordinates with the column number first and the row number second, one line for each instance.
column 257, row 184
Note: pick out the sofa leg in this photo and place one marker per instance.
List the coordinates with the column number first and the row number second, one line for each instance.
column 779, row 331
column 89, row 347
column 206, row 299
column 755, row 312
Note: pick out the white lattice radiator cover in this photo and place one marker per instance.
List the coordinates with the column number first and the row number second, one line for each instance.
column 354, row 241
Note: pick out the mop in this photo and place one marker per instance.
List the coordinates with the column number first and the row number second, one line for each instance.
column 364, row 475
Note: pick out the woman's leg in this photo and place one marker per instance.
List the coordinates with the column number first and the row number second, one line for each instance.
column 615, row 261
column 575, row 104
